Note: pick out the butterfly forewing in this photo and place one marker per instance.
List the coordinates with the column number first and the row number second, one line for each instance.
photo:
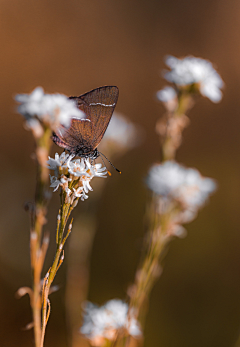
column 98, row 105
column 85, row 135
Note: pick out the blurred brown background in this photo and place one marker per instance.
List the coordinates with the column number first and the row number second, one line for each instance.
column 74, row 46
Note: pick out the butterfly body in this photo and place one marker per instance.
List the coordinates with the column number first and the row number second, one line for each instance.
column 84, row 135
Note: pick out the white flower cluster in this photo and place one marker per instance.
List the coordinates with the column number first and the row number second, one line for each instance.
column 191, row 70
column 121, row 133
column 103, row 322
column 183, row 187
column 166, row 94
column 73, row 176
column 51, row 109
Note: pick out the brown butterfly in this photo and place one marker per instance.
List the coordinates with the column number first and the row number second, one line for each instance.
column 84, row 135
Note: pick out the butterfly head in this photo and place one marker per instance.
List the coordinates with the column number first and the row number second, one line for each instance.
column 84, row 152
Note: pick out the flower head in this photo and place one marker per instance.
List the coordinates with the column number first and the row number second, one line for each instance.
column 121, row 134
column 104, row 322
column 166, row 94
column 51, row 109
column 200, row 72
column 61, row 161
column 180, row 186
column 73, row 176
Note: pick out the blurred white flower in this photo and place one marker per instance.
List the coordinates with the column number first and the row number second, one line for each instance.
column 104, row 322
column 174, row 182
column 191, row 70
column 119, row 311
column 121, row 134
column 166, row 94
column 51, row 109
column 74, row 176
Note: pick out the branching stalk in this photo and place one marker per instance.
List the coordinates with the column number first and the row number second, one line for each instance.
column 65, row 212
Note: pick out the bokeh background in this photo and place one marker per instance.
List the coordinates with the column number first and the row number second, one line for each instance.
column 74, row 46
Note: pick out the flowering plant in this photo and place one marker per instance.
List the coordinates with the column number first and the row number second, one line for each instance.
column 43, row 114
column 177, row 194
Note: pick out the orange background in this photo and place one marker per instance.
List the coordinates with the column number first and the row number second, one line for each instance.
column 74, row 46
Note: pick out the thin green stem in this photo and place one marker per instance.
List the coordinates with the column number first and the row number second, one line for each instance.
column 65, row 212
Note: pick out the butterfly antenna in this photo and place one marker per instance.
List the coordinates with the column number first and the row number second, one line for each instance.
column 70, row 155
column 109, row 162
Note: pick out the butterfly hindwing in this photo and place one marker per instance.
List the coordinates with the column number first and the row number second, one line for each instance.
column 76, row 137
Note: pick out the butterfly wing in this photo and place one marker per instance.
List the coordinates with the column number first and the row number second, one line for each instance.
column 77, row 137
column 84, row 135
column 98, row 105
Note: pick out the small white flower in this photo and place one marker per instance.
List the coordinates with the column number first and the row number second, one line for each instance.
column 166, row 94
column 84, row 196
column 95, row 170
column 30, row 104
column 99, row 171
column 104, row 322
column 52, row 109
column 119, row 310
column 86, row 185
column 54, row 183
column 60, row 161
column 64, row 183
column 191, row 70
column 77, row 167
column 77, row 193
column 121, row 133
column 175, row 182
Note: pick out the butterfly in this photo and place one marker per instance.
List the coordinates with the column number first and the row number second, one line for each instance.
column 84, row 135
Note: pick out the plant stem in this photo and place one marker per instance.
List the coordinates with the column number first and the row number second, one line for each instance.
column 150, row 269
column 176, row 122
column 80, row 247
column 38, row 220
column 65, row 212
